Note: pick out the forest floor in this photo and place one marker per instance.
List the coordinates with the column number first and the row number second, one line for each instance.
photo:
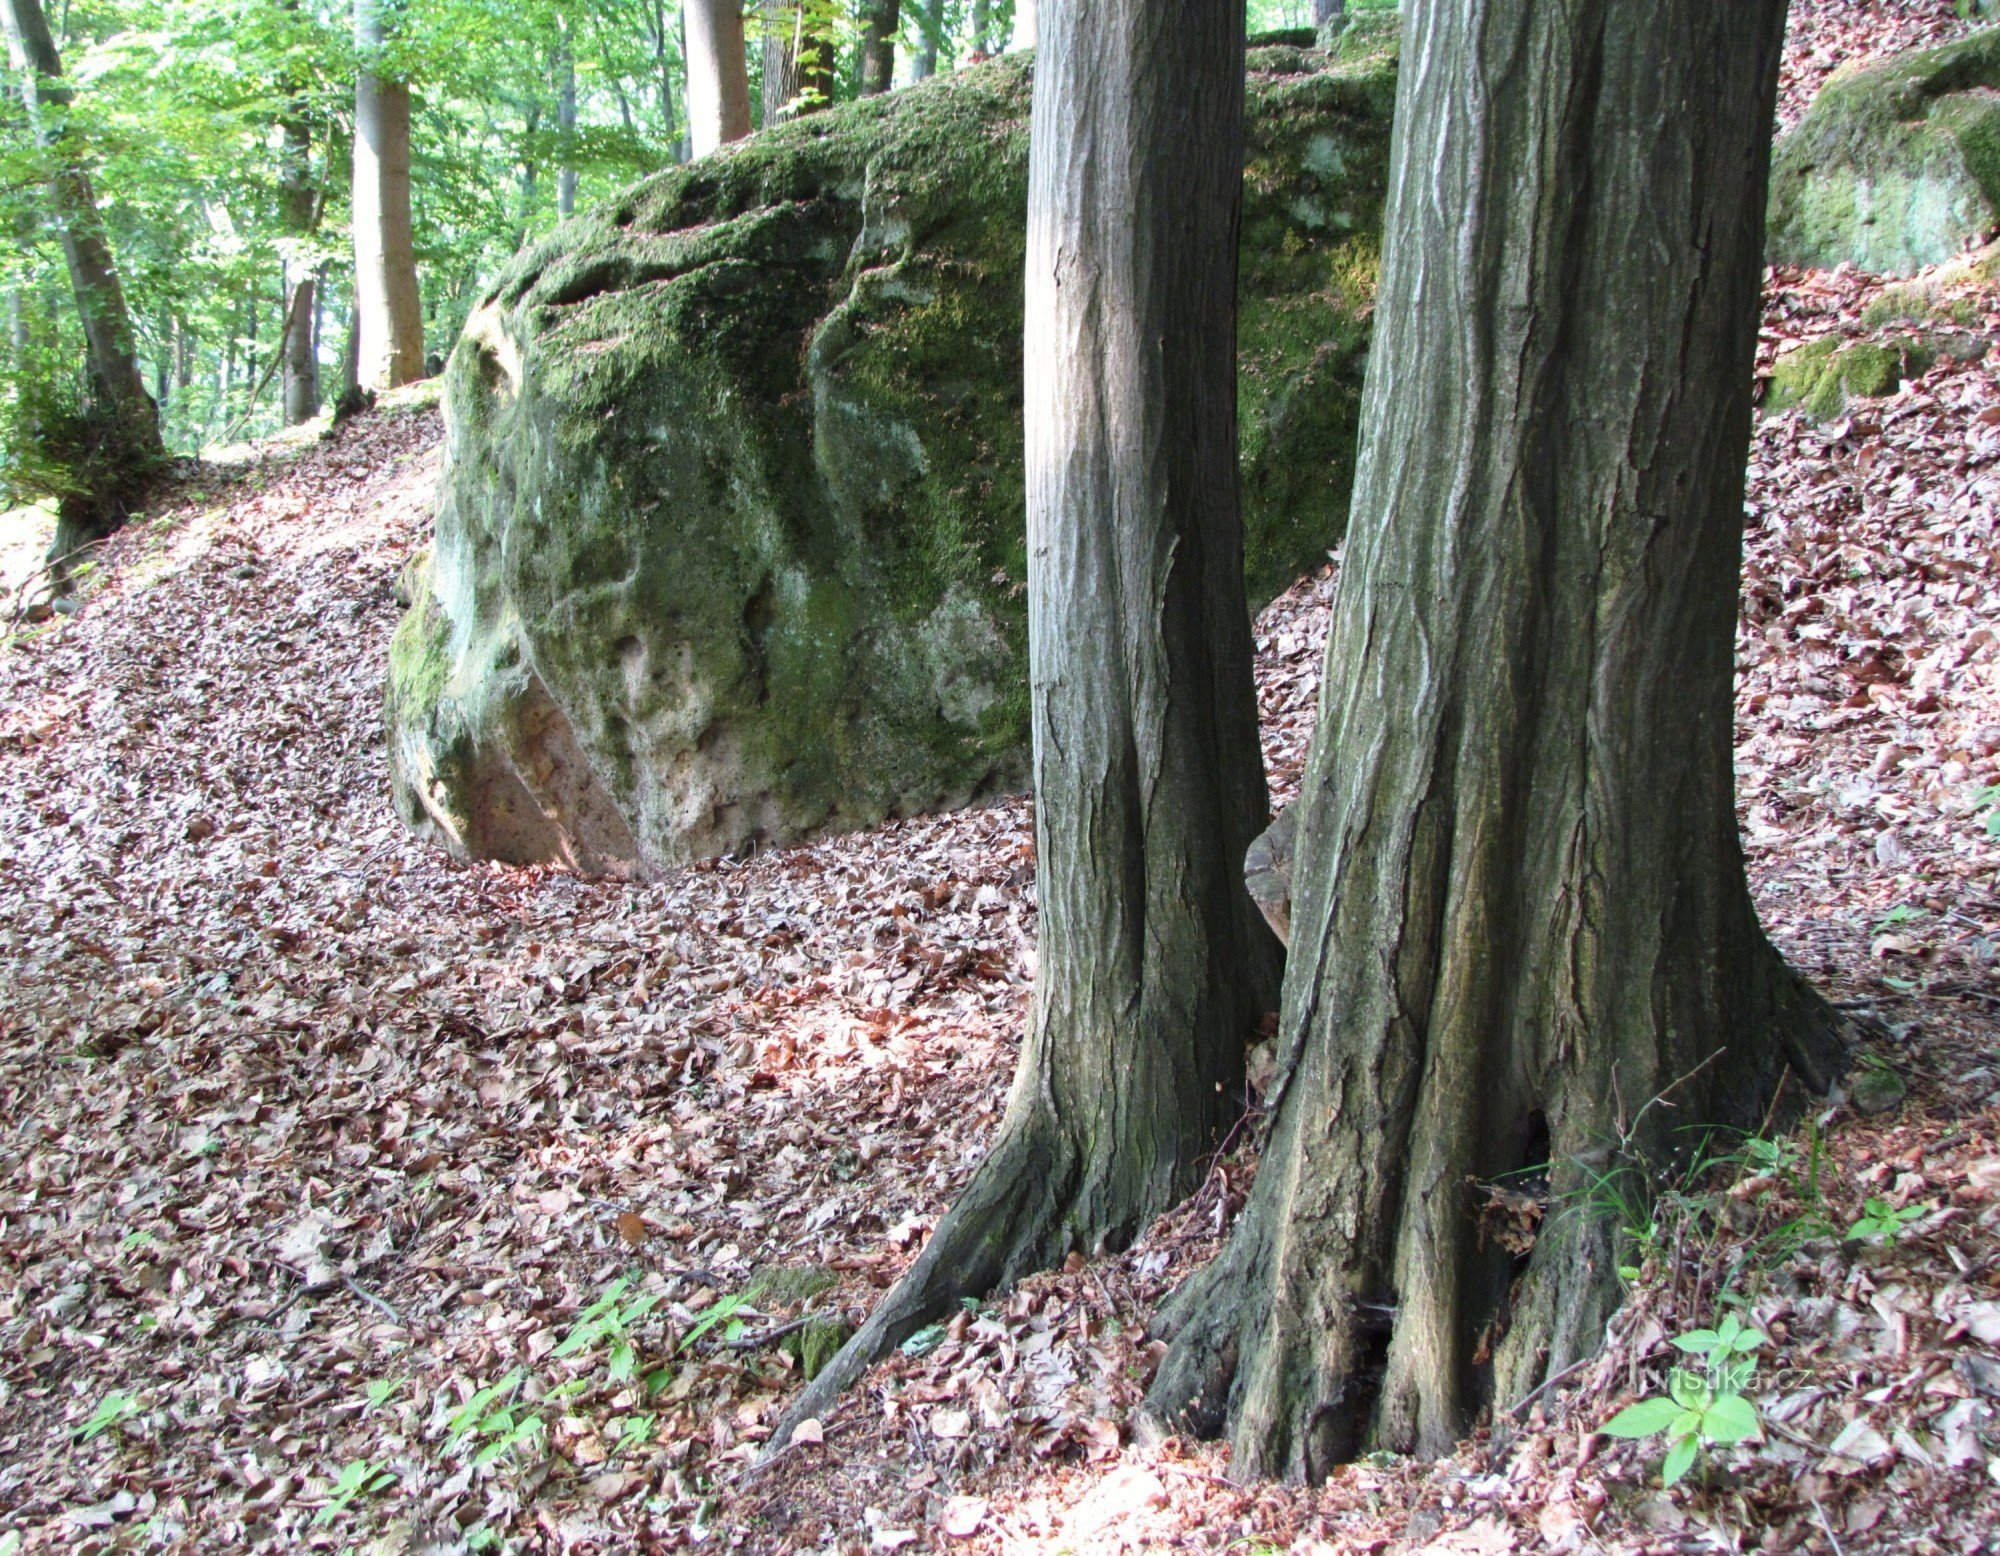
column 355, row 1198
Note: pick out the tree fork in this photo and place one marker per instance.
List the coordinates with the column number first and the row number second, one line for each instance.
column 1155, row 966
column 1523, row 950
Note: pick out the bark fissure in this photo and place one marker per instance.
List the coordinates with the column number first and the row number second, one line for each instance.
column 1519, row 896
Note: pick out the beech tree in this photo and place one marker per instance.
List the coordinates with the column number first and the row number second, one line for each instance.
column 718, row 82
column 127, row 423
column 388, row 306
column 1523, row 950
column 878, row 46
column 1155, row 968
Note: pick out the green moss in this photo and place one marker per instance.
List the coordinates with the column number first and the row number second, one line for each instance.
column 1821, row 377
column 817, row 1344
column 735, row 485
column 1896, row 164
column 788, row 1285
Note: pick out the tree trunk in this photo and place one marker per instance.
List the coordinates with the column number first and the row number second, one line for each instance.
column 930, row 24
column 131, row 432
column 982, row 22
column 385, row 262
column 718, row 82
column 1522, row 939
column 1324, row 11
column 565, row 122
column 878, row 47
column 299, row 209
column 1155, row 967
column 782, row 22
column 1024, row 25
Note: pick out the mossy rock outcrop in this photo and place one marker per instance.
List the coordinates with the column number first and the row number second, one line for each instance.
column 730, row 541
column 1896, row 165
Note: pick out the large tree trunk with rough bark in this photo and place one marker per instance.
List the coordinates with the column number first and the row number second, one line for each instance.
column 1324, row 11
column 1155, row 968
column 878, row 47
column 1522, row 941
column 385, row 261
column 126, row 417
column 718, row 81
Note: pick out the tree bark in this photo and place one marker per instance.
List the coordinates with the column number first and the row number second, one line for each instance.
column 878, row 47
column 1324, row 11
column 982, row 22
column 299, row 210
column 117, row 384
column 565, row 63
column 1149, row 786
column 1024, row 25
column 385, row 261
column 1522, row 938
column 930, row 25
column 718, row 82
column 783, row 22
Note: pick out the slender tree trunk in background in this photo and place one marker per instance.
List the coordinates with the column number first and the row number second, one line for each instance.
column 718, row 81
column 1324, row 11
column 1149, row 785
column 299, row 208
column 782, row 23
column 930, row 25
column 1520, row 915
column 878, row 47
column 130, row 447
column 818, row 59
column 385, row 262
column 565, row 122
column 982, row 22
column 1024, row 25
column 663, row 68
column 531, row 174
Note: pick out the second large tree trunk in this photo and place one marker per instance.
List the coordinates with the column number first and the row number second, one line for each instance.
column 718, row 81
column 1522, row 937
column 385, row 261
column 299, row 206
column 1155, row 968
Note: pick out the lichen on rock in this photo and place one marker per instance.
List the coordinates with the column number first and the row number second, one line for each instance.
column 1896, row 165
column 730, row 539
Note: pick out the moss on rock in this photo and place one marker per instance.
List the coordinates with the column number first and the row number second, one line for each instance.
column 1822, row 376
column 1896, row 165
column 730, row 537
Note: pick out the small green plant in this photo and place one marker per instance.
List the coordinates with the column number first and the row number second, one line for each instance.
column 635, row 1432
column 113, row 1410
column 10, row 1543
column 722, row 1311
column 1901, row 913
column 358, row 1478
column 1881, row 1219
column 1702, row 1408
column 1987, row 799
column 612, row 1318
column 379, row 1391
column 491, row 1419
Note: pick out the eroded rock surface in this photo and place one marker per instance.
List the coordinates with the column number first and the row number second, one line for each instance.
column 1896, row 166
column 730, row 539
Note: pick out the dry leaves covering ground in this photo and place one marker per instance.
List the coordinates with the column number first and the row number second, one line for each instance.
column 319, row 1151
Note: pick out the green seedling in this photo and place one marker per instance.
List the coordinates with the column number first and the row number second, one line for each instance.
column 1881, row 1219
column 723, row 1312
column 490, row 1414
column 611, row 1319
column 358, row 1478
column 112, row 1411
column 1702, row 1408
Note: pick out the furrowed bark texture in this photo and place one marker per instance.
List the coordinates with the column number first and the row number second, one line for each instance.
column 390, row 307
column 1155, row 968
column 1520, row 908
column 878, row 47
column 718, row 80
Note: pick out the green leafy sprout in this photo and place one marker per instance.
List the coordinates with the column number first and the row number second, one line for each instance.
column 611, row 1319
column 1703, row 1407
column 491, row 1418
column 1881, row 1219
column 359, row 1478
column 112, row 1411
